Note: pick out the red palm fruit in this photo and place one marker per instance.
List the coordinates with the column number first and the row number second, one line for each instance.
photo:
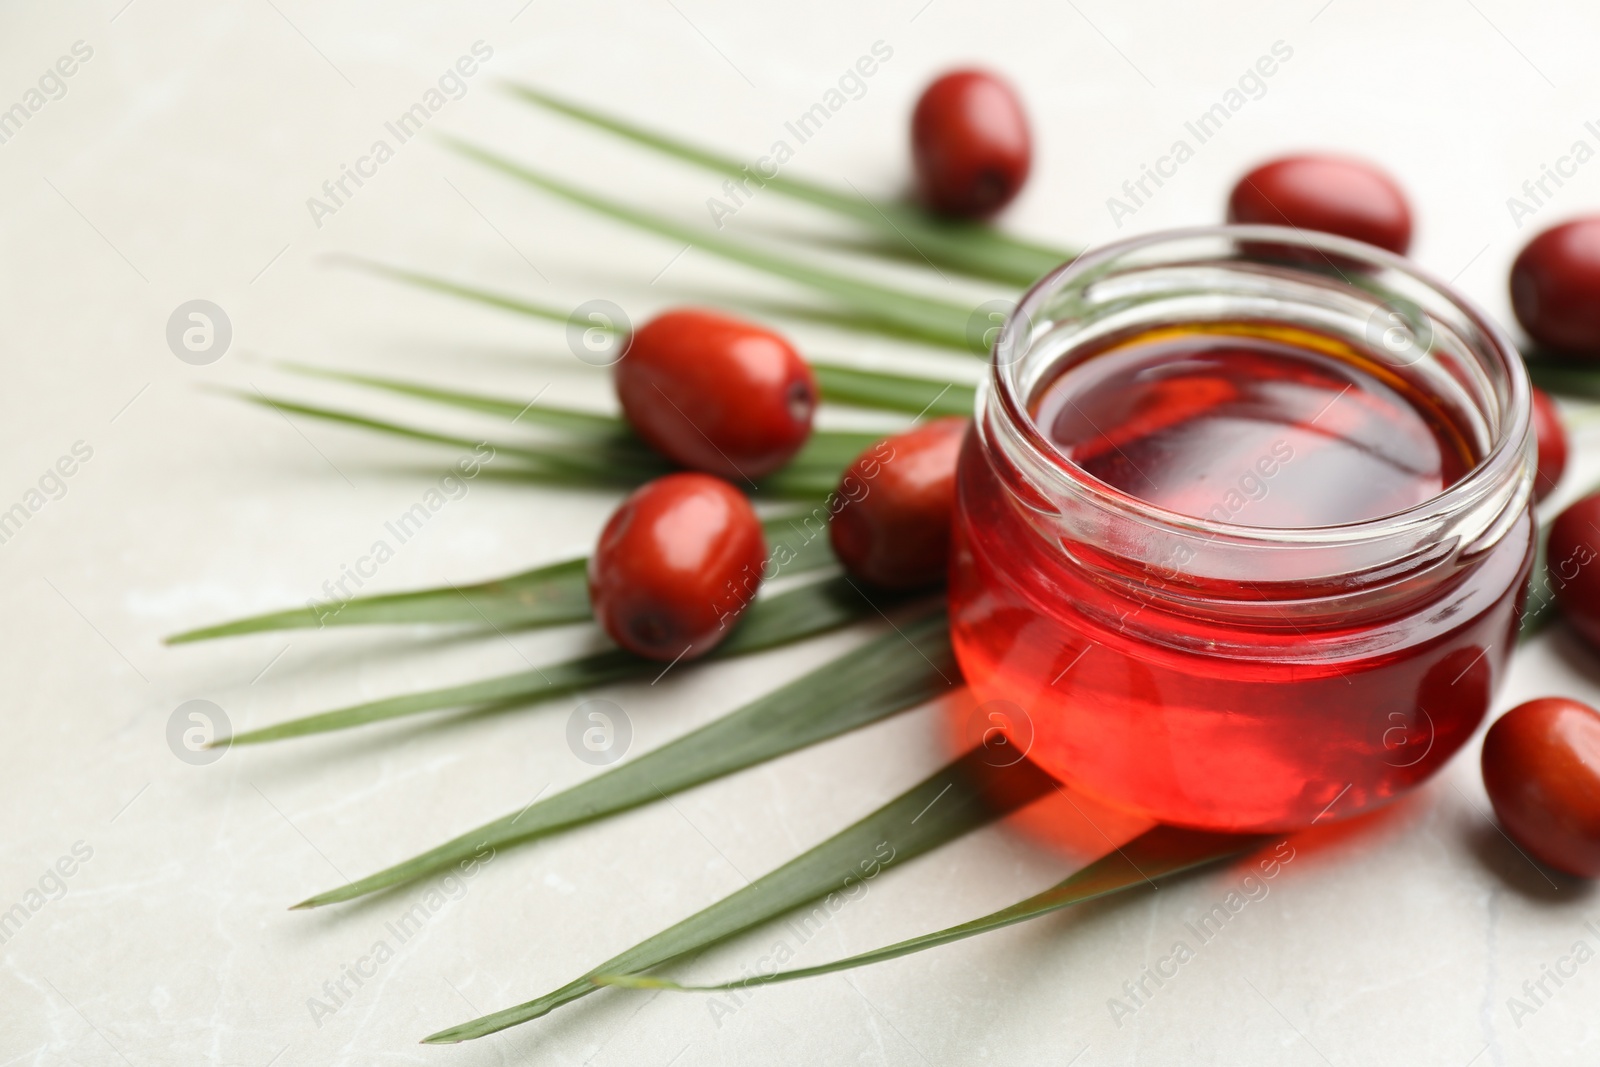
column 1327, row 194
column 676, row 565
column 1555, row 288
column 1541, row 767
column 892, row 527
column 1552, row 444
column 970, row 144
column 716, row 394
column 1572, row 561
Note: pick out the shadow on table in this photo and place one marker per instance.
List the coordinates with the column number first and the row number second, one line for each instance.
column 1520, row 871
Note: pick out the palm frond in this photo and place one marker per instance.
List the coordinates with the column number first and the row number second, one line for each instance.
column 924, row 397
column 890, row 674
column 551, row 595
column 771, row 621
column 1158, row 853
column 978, row 250
column 958, row 799
column 934, row 321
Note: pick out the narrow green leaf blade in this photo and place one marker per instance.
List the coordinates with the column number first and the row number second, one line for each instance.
column 617, row 462
column 847, row 389
column 780, row 619
column 960, row 798
column 966, row 247
column 568, row 420
column 510, row 690
column 551, row 595
column 933, row 320
column 894, row 392
column 827, row 450
column 478, row 295
column 1564, row 377
column 1157, row 853
column 845, row 320
column 605, row 464
column 610, row 455
column 831, row 451
column 890, row 674
column 806, row 611
column 545, row 596
column 860, row 388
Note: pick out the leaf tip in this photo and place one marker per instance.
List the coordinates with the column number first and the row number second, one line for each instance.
column 190, row 637
column 443, row 1037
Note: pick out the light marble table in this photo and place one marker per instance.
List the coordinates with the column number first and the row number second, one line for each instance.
column 176, row 164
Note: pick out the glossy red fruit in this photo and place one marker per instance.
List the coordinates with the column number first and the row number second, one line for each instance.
column 892, row 527
column 716, row 394
column 1552, row 444
column 1327, row 194
column 970, row 143
column 1541, row 766
column 1555, row 288
column 1573, row 562
column 676, row 565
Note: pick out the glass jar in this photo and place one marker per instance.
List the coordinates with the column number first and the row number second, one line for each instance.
column 1185, row 664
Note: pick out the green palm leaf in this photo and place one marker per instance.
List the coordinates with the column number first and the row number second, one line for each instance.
column 897, row 671
column 1563, row 375
column 875, row 390
column 551, row 595
column 966, row 247
column 825, row 450
column 1158, row 853
column 619, row 460
column 775, row 620
column 841, row 384
column 506, row 302
column 931, row 320
column 564, row 419
column 962, row 797
column 894, row 392
column 477, row 295
column 545, row 596
column 606, row 463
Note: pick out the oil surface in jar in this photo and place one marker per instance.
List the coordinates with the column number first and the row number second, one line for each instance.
column 1261, row 426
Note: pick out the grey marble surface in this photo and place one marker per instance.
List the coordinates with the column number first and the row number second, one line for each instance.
column 176, row 163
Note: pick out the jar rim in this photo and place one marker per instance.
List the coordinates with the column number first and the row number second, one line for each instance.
column 1506, row 453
